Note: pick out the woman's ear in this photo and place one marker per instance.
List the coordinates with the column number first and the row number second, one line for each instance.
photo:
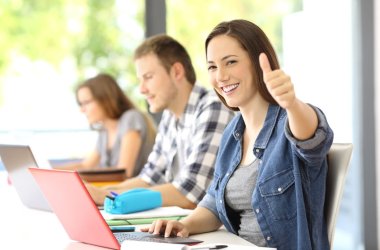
column 177, row 71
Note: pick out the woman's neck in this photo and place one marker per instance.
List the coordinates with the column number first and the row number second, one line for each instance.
column 254, row 117
column 110, row 124
column 111, row 127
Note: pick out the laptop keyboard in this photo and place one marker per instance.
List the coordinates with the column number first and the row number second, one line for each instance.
column 139, row 236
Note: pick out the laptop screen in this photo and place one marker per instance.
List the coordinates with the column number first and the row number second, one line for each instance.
column 74, row 207
column 16, row 160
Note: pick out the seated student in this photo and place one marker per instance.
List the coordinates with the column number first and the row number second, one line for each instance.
column 181, row 164
column 270, row 175
column 126, row 135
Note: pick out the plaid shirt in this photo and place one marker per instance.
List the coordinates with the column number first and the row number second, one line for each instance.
column 198, row 131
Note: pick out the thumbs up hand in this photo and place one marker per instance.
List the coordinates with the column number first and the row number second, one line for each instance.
column 278, row 83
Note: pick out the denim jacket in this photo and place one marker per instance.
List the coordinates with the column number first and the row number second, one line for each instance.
column 289, row 196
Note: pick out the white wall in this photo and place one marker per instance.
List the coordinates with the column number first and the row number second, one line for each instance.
column 377, row 107
column 318, row 55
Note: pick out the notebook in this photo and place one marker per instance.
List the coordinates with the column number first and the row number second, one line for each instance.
column 159, row 212
column 77, row 212
column 16, row 160
column 146, row 217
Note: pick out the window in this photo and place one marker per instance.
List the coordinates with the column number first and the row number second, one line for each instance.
column 190, row 21
column 46, row 48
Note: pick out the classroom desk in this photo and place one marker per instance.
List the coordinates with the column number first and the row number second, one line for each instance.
column 24, row 228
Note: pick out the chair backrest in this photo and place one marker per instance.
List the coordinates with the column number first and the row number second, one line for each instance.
column 339, row 158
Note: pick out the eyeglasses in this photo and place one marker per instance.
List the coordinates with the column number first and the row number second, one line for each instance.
column 85, row 103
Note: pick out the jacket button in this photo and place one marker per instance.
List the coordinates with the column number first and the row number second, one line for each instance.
column 221, row 201
column 279, row 189
column 257, row 210
column 268, row 238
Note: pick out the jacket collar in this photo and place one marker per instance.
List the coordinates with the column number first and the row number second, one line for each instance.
column 273, row 114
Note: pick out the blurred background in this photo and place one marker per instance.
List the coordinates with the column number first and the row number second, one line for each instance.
column 327, row 46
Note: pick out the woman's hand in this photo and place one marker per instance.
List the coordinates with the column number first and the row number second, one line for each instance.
column 167, row 228
column 303, row 120
column 201, row 220
column 278, row 83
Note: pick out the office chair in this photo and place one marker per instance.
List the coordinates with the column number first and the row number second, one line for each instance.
column 339, row 158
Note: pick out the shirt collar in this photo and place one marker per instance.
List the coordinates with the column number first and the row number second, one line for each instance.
column 196, row 94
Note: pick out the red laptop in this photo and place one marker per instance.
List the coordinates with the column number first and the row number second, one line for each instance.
column 74, row 207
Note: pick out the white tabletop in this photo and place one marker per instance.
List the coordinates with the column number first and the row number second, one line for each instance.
column 24, row 228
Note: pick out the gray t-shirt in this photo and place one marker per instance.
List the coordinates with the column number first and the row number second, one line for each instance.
column 238, row 196
column 131, row 120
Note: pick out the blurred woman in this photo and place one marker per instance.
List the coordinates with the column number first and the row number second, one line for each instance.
column 125, row 134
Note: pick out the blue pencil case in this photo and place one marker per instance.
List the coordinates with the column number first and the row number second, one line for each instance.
column 134, row 200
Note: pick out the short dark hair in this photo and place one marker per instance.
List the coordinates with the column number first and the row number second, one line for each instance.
column 254, row 41
column 168, row 51
column 108, row 94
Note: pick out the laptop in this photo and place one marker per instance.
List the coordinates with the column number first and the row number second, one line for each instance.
column 77, row 212
column 16, row 160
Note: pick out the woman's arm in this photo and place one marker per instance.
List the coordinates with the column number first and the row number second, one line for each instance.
column 303, row 120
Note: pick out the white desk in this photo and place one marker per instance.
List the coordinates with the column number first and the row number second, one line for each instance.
column 24, row 228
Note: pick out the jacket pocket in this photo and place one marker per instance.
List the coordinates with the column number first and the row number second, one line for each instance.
column 279, row 193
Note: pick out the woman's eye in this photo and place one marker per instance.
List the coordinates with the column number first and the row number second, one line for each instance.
column 212, row 67
column 231, row 62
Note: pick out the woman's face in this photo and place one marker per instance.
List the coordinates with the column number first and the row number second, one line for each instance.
column 231, row 71
column 89, row 106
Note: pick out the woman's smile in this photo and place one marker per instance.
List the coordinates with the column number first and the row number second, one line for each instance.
column 229, row 88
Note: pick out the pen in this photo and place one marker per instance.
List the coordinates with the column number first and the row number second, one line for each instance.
column 114, row 194
column 116, row 229
column 205, row 247
column 110, row 197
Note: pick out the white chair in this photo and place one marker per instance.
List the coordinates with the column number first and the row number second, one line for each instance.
column 339, row 158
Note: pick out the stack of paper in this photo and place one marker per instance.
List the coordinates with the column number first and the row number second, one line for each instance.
column 137, row 245
column 146, row 217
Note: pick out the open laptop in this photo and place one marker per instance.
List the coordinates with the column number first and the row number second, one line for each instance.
column 77, row 212
column 16, row 160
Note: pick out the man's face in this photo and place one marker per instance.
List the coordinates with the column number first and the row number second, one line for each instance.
column 156, row 84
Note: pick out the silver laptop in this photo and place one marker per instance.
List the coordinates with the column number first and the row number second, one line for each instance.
column 16, row 160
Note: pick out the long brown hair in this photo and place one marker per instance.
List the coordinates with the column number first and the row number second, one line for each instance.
column 108, row 94
column 254, row 41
